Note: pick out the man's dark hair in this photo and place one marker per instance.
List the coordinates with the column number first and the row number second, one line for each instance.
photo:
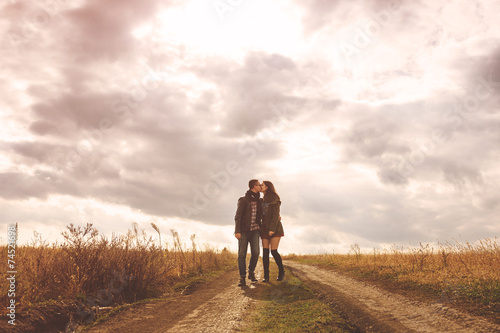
column 252, row 183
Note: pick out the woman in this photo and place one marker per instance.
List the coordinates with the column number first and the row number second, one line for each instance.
column 272, row 229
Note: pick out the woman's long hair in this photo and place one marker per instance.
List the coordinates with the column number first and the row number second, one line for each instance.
column 270, row 189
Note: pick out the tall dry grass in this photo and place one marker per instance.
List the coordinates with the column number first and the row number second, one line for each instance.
column 134, row 266
column 453, row 271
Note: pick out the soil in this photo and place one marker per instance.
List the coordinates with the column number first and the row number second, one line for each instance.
column 219, row 306
column 48, row 318
column 371, row 309
column 222, row 306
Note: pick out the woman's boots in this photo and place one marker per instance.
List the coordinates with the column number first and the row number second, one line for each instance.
column 277, row 259
column 281, row 275
column 279, row 262
column 265, row 262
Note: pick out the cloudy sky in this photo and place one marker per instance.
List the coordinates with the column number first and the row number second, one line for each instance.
column 377, row 121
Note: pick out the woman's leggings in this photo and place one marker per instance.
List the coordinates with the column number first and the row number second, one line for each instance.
column 277, row 258
column 265, row 262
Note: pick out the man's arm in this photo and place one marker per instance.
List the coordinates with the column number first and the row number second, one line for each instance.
column 238, row 217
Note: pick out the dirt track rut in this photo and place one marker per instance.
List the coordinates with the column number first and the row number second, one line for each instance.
column 221, row 306
column 374, row 310
column 218, row 306
column 222, row 313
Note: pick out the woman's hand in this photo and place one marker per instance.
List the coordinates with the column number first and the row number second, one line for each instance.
column 271, row 233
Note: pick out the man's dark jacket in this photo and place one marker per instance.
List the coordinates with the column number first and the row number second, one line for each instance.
column 243, row 217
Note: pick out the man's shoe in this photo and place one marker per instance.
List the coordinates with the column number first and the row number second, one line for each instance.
column 281, row 276
column 251, row 277
column 242, row 282
column 266, row 280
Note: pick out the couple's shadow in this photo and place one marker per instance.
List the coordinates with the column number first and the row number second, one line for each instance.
column 255, row 290
column 265, row 290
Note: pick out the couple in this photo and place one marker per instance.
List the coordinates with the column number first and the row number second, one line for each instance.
column 258, row 217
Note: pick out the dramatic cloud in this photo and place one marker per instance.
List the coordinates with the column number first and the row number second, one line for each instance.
column 378, row 123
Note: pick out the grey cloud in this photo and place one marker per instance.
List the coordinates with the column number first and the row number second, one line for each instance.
column 378, row 216
column 321, row 14
column 484, row 83
column 161, row 137
column 374, row 136
column 84, row 111
column 103, row 29
column 20, row 186
column 459, row 174
column 255, row 94
column 329, row 202
column 491, row 201
column 168, row 144
column 320, row 235
column 42, row 128
column 52, row 156
column 392, row 175
column 274, row 61
column 36, row 151
column 419, row 140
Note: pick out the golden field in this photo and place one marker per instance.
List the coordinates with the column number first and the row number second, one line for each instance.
column 456, row 273
column 92, row 269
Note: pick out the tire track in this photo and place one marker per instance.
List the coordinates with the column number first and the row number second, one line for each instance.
column 223, row 313
column 374, row 310
column 218, row 306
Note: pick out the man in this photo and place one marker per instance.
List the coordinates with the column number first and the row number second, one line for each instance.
column 247, row 230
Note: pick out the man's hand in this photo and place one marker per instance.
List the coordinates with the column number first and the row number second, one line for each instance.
column 237, row 235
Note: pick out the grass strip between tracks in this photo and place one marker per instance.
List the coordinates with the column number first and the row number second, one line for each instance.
column 290, row 306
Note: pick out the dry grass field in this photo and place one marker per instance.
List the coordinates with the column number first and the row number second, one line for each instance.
column 460, row 274
column 88, row 270
column 93, row 270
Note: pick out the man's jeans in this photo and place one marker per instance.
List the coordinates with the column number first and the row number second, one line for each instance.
column 251, row 237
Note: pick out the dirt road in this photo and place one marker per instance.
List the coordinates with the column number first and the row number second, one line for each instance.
column 218, row 306
column 221, row 306
column 373, row 310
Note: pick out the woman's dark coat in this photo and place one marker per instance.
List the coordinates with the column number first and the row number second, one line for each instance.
column 271, row 220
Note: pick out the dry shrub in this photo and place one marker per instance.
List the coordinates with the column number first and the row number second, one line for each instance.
column 87, row 264
column 458, row 271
